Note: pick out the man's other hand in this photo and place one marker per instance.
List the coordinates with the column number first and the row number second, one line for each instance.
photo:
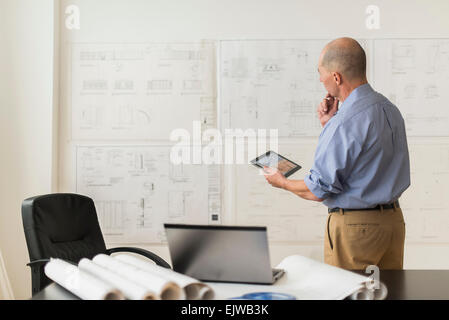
column 274, row 177
column 327, row 108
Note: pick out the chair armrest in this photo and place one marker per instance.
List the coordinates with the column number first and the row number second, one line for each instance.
column 38, row 278
column 38, row 263
column 150, row 255
column 43, row 262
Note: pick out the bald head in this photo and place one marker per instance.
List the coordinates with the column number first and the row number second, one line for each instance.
column 345, row 56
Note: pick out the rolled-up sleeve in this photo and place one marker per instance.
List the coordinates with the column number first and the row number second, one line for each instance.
column 314, row 184
column 335, row 156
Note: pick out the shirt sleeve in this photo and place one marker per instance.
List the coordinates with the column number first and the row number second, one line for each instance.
column 336, row 154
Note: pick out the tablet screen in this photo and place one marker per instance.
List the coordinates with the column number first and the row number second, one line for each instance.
column 274, row 160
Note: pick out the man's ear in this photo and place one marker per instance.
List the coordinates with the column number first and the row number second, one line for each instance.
column 337, row 77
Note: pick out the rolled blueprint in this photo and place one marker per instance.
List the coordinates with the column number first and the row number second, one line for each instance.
column 80, row 283
column 193, row 289
column 164, row 288
column 130, row 289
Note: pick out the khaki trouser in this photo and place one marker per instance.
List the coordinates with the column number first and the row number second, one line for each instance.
column 357, row 239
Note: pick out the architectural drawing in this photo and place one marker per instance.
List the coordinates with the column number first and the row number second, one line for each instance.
column 414, row 74
column 140, row 91
column 271, row 84
column 425, row 203
column 136, row 190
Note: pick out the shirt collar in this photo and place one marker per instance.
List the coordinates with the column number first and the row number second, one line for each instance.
column 356, row 94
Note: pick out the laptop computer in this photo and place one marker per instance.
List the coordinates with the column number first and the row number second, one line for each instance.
column 221, row 253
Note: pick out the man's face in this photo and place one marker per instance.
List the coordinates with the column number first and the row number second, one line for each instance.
column 328, row 81
column 327, row 78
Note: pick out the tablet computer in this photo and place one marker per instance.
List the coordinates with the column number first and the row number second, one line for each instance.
column 274, row 160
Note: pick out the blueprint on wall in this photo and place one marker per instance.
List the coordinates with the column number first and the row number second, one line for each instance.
column 271, row 84
column 136, row 189
column 425, row 204
column 414, row 75
column 128, row 94
column 141, row 91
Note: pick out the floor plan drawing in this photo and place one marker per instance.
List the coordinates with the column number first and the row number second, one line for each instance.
column 141, row 91
column 413, row 74
column 135, row 190
column 271, row 84
column 425, row 203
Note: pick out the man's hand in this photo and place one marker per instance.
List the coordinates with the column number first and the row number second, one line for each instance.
column 298, row 187
column 327, row 108
column 274, row 177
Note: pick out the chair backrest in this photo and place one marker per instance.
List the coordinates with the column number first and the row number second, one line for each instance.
column 62, row 226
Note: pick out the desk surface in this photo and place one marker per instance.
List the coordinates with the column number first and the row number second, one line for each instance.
column 401, row 284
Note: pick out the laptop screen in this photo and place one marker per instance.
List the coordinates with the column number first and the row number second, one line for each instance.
column 220, row 253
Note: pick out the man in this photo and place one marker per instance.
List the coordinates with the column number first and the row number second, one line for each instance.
column 361, row 165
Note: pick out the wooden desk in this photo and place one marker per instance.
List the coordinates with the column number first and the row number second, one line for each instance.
column 401, row 284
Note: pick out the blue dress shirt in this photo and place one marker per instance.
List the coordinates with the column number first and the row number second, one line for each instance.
column 362, row 156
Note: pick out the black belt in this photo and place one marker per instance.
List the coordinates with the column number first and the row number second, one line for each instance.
column 378, row 207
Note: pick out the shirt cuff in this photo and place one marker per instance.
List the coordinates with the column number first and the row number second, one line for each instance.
column 315, row 188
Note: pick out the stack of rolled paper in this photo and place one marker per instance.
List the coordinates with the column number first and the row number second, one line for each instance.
column 124, row 277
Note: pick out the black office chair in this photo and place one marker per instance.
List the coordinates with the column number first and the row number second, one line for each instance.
column 65, row 226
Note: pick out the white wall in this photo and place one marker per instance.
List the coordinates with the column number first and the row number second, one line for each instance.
column 26, row 123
